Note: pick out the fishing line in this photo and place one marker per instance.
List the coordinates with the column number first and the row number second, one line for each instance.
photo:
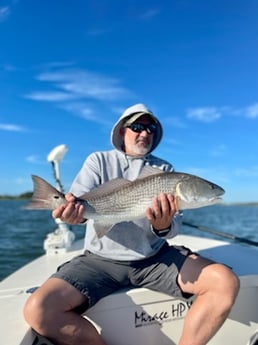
column 222, row 234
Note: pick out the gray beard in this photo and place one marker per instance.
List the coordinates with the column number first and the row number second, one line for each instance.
column 139, row 149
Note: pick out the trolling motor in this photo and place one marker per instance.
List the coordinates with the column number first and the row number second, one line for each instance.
column 62, row 238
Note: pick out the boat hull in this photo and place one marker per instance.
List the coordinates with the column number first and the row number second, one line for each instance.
column 141, row 316
column 138, row 316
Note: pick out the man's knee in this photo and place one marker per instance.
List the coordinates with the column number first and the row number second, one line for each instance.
column 224, row 283
column 39, row 311
column 33, row 312
column 231, row 283
column 200, row 276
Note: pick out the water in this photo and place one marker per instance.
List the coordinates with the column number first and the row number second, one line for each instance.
column 22, row 232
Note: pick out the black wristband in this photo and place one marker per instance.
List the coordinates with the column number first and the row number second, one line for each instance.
column 161, row 233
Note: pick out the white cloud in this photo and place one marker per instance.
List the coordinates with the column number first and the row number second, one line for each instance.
column 50, row 96
column 152, row 12
column 210, row 114
column 34, row 159
column 205, row 114
column 85, row 112
column 83, row 84
column 4, row 13
column 9, row 68
column 74, row 89
column 59, row 64
column 252, row 111
column 11, row 127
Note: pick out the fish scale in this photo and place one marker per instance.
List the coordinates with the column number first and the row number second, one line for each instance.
column 130, row 201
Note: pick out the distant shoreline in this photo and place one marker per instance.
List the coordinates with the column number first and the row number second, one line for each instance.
column 23, row 196
column 251, row 203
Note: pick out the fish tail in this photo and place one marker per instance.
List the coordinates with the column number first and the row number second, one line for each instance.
column 43, row 195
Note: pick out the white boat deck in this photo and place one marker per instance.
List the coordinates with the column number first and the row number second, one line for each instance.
column 125, row 306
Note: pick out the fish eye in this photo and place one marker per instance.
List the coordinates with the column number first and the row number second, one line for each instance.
column 56, row 197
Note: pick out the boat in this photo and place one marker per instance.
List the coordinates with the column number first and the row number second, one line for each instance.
column 135, row 316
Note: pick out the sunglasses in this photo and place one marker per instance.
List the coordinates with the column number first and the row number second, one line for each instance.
column 139, row 127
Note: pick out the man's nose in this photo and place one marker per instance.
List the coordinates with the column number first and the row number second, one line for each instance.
column 144, row 133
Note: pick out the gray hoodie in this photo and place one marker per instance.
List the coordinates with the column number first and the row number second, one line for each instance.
column 126, row 240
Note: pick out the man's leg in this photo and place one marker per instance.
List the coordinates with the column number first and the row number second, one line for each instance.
column 49, row 310
column 216, row 288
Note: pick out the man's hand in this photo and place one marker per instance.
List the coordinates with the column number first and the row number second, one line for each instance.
column 162, row 211
column 71, row 212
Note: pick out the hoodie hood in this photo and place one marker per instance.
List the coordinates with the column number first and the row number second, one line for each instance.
column 130, row 115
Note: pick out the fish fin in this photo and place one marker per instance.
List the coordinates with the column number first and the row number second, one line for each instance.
column 101, row 229
column 177, row 201
column 181, row 198
column 105, row 188
column 43, row 193
column 149, row 170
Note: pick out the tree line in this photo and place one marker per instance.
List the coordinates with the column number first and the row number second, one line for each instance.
column 23, row 196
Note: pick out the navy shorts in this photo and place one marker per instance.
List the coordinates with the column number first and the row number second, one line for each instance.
column 96, row 277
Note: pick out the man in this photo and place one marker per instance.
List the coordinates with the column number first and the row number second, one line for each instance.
column 128, row 254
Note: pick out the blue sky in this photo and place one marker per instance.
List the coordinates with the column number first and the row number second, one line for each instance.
column 69, row 68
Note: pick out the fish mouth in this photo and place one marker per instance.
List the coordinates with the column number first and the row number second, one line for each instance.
column 215, row 199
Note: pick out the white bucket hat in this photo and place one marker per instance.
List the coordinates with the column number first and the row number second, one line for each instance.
column 129, row 116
